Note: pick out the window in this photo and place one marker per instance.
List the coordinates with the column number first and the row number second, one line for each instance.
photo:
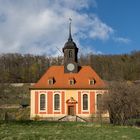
column 70, row 54
column 71, row 82
column 99, row 99
column 42, row 102
column 92, row 82
column 50, row 81
column 85, row 102
column 56, row 102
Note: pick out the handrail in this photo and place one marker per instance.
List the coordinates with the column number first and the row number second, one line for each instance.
column 62, row 118
column 80, row 118
column 76, row 117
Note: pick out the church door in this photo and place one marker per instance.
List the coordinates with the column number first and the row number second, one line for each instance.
column 70, row 110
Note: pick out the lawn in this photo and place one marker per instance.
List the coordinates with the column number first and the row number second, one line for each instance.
column 42, row 130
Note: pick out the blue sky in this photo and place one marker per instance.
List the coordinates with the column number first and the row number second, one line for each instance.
column 123, row 17
column 41, row 26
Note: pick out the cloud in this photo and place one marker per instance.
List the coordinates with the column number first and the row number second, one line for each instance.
column 100, row 30
column 122, row 40
column 88, row 50
column 39, row 26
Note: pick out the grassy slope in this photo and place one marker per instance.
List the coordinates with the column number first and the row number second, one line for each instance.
column 30, row 130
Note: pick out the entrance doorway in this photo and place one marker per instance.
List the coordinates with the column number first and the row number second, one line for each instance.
column 71, row 106
column 71, row 110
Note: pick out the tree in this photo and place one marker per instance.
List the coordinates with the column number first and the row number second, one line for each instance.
column 122, row 102
column 27, row 68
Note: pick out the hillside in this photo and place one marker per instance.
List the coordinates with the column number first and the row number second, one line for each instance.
column 18, row 68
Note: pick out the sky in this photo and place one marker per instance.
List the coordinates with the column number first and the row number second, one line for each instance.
column 40, row 27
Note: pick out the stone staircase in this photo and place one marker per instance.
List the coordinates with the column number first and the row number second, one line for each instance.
column 70, row 118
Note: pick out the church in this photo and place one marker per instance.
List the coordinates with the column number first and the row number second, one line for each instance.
column 67, row 90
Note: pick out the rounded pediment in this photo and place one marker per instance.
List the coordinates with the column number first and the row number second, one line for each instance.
column 71, row 100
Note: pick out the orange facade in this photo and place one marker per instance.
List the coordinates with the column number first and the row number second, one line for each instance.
column 74, row 104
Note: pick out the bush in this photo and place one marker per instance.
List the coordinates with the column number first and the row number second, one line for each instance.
column 23, row 114
column 122, row 102
column 133, row 122
column 36, row 118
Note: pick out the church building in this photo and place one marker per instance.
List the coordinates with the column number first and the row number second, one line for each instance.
column 67, row 90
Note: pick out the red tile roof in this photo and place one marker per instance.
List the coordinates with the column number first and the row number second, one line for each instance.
column 61, row 79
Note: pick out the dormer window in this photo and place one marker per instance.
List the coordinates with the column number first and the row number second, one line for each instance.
column 91, row 81
column 51, row 81
column 71, row 81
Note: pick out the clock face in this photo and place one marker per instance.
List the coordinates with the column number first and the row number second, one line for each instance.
column 70, row 67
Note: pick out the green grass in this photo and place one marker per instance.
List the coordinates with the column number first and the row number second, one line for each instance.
column 41, row 130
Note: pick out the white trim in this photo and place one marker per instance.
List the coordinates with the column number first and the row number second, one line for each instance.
column 46, row 102
column 77, row 102
column 96, row 93
column 65, row 102
column 88, row 94
column 59, row 93
column 32, row 102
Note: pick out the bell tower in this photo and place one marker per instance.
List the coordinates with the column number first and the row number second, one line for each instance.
column 70, row 51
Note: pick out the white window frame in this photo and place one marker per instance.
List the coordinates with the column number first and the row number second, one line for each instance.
column 88, row 94
column 97, row 100
column 60, row 101
column 46, row 102
column 96, row 93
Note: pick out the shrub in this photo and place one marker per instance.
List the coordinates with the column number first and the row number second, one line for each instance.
column 36, row 118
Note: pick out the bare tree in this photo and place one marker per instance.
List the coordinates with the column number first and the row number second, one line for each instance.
column 122, row 102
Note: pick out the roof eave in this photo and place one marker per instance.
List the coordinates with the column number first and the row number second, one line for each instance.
column 96, row 88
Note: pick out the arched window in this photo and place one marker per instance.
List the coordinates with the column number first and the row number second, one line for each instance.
column 99, row 98
column 85, row 102
column 42, row 102
column 70, row 54
column 56, row 102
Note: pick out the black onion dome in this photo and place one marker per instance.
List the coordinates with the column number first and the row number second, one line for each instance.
column 70, row 45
